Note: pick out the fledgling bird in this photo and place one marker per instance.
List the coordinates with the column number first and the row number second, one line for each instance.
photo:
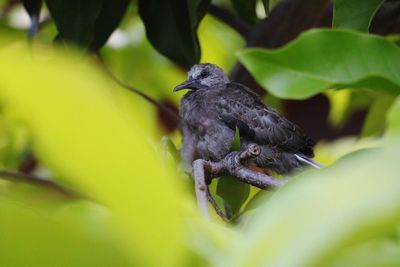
column 214, row 107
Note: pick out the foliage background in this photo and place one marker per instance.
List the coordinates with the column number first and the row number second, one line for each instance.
column 66, row 119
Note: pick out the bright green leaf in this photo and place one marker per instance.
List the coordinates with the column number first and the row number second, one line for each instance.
column 323, row 59
column 235, row 146
column 378, row 253
column 354, row 14
column 319, row 213
column 339, row 101
column 81, row 131
column 33, row 238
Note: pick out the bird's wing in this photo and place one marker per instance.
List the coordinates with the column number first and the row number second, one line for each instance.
column 241, row 108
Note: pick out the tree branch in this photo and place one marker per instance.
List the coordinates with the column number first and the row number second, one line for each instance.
column 201, row 186
column 14, row 176
column 233, row 164
column 239, row 25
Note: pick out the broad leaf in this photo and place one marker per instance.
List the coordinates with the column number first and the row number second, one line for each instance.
column 171, row 27
column 33, row 238
column 234, row 193
column 87, row 23
column 355, row 14
column 323, row 59
column 307, row 224
column 377, row 253
column 83, row 130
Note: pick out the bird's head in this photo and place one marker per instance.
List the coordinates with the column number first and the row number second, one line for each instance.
column 205, row 76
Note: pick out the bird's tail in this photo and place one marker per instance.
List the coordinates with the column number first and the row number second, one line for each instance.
column 308, row 161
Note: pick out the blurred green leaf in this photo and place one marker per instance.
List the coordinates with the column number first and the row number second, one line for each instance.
column 234, row 193
column 393, row 119
column 339, row 101
column 30, row 237
column 374, row 124
column 323, row 59
column 354, row 14
column 171, row 27
column 87, row 23
column 246, row 9
column 306, row 223
column 170, row 147
column 377, row 253
column 81, row 131
column 257, row 199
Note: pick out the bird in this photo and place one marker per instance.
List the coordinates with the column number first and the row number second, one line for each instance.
column 214, row 108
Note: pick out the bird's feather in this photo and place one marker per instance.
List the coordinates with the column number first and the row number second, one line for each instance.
column 260, row 123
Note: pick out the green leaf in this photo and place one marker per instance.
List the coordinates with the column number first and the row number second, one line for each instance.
column 323, row 59
column 234, row 193
column 169, row 147
column 171, row 27
column 235, row 146
column 246, row 9
column 374, row 124
column 107, row 21
column 377, row 253
column 393, row 120
column 87, row 23
column 90, row 132
column 258, row 199
column 306, row 223
column 33, row 238
column 354, row 14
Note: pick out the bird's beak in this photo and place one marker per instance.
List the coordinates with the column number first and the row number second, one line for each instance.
column 188, row 84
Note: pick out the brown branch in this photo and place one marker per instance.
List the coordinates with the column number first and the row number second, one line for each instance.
column 14, row 176
column 160, row 106
column 233, row 164
column 239, row 25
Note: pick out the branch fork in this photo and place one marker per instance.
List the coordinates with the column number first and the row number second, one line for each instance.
column 233, row 164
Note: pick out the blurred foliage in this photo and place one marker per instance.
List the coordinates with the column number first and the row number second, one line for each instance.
column 86, row 132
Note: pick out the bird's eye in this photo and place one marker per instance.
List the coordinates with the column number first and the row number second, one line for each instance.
column 203, row 74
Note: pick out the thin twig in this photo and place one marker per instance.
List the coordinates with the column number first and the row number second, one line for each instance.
column 239, row 25
column 129, row 87
column 217, row 209
column 14, row 176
